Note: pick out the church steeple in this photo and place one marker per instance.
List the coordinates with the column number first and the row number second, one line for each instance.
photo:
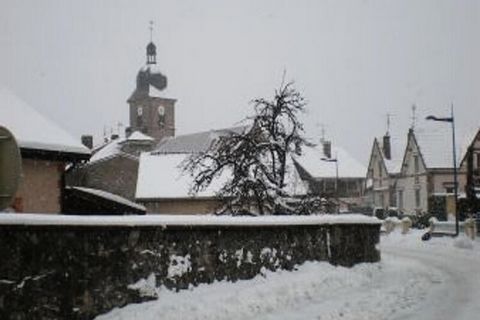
column 151, row 48
column 150, row 111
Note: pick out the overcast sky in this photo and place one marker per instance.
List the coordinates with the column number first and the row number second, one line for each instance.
column 354, row 61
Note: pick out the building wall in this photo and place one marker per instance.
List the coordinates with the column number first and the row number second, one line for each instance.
column 181, row 206
column 116, row 175
column 347, row 187
column 379, row 182
column 40, row 187
column 148, row 122
column 413, row 178
column 444, row 182
column 408, row 186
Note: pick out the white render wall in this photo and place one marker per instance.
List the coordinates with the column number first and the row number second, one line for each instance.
column 411, row 180
column 381, row 182
column 408, row 185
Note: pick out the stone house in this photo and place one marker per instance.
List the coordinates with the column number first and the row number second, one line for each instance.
column 46, row 151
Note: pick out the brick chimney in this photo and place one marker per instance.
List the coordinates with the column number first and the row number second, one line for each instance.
column 327, row 149
column 387, row 148
column 87, row 141
column 128, row 132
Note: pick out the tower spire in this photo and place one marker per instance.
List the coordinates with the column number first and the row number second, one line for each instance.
column 151, row 48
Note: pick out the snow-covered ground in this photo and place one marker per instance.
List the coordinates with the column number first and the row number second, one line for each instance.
column 414, row 280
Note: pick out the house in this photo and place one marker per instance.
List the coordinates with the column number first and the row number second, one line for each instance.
column 470, row 164
column 163, row 187
column 318, row 165
column 426, row 179
column 383, row 168
column 46, row 151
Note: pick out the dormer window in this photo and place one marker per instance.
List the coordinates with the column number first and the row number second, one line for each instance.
column 416, row 163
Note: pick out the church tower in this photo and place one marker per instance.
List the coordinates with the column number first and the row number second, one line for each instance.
column 150, row 111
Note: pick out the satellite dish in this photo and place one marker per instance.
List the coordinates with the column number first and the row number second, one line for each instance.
column 10, row 167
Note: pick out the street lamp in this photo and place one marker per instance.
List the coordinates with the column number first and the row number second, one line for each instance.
column 451, row 119
column 336, row 178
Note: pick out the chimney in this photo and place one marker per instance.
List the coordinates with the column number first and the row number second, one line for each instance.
column 87, row 141
column 327, row 149
column 128, row 132
column 387, row 151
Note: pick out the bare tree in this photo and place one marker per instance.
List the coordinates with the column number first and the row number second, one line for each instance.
column 256, row 160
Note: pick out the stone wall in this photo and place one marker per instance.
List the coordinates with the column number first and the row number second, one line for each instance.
column 80, row 271
column 117, row 175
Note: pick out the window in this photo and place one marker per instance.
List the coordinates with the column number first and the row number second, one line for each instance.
column 416, row 163
column 161, row 116
column 380, row 172
column 400, row 199
column 139, row 117
column 417, row 198
column 416, row 166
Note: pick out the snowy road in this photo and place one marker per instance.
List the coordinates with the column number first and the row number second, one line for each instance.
column 415, row 280
column 455, row 294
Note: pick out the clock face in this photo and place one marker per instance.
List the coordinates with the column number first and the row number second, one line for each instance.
column 139, row 111
column 161, row 111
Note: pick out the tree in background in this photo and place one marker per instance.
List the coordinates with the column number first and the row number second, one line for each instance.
column 257, row 159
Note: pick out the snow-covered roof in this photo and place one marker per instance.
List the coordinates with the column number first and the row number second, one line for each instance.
column 183, row 220
column 194, row 142
column 348, row 167
column 467, row 140
column 397, row 150
column 153, row 68
column 160, row 176
column 110, row 196
column 34, row 131
column 435, row 142
column 139, row 136
column 110, row 149
column 154, row 92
